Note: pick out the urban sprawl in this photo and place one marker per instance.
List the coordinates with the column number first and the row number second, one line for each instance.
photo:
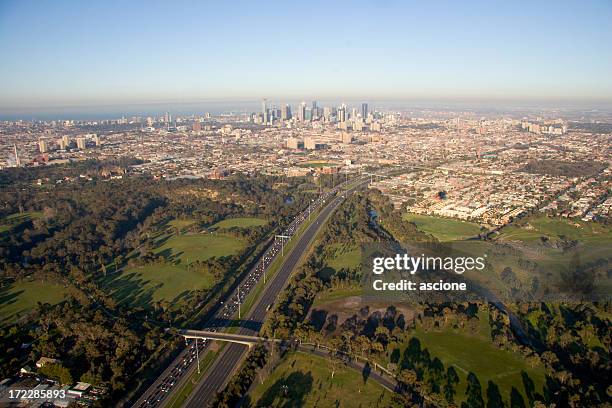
column 488, row 168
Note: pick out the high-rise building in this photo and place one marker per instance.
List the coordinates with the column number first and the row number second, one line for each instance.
column 64, row 142
column 286, row 112
column 81, row 143
column 346, row 137
column 309, row 143
column 364, row 111
column 196, row 127
column 42, row 146
column 264, row 110
column 341, row 113
column 327, row 113
column 97, row 140
column 302, row 112
column 308, row 114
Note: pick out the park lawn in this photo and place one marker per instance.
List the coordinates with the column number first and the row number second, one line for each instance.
column 181, row 223
column 241, row 222
column 553, row 228
column 144, row 285
column 330, row 295
column 11, row 221
column 475, row 353
column 186, row 248
column 308, row 384
column 19, row 298
column 343, row 256
column 444, row 229
column 172, row 279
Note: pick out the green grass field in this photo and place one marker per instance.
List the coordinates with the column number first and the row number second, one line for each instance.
column 302, row 380
column 474, row 352
column 554, row 228
column 343, row 256
column 197, row 247
column 172, row 279
column 181, row 223
column 11, row 221
column 242, row 222
column 21, row 297
column 337, row 293
column 444, row 229
column 141, row 286
column 468, row 353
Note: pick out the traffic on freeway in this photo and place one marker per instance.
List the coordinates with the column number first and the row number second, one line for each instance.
column 185, row 362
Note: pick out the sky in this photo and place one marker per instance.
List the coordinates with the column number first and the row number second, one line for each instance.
column 56, row 54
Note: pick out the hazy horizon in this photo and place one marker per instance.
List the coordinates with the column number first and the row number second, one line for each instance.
column 220, row 106
column 66, row 53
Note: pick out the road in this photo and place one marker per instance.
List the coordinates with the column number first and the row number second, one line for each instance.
column 224, row 366
column 183, row 366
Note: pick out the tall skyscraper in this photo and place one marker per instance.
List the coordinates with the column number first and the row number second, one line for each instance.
column 364, row 111
column 264, row 110
column 302, row 112
column 80, row 143
column 327, row 113
column 42, row 146
column 341, row 113
column 308, row 114
column 286, row 112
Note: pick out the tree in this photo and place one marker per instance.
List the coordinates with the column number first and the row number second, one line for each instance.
column 451, row 380
column 473, row 392
column 494, row 398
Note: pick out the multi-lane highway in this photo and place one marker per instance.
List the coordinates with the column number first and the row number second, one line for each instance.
column 229, row 360
column 177, row 373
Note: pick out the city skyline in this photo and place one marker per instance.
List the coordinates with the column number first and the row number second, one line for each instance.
column 72, row 54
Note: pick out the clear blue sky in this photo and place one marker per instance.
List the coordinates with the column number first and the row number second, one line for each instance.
column 60, row 53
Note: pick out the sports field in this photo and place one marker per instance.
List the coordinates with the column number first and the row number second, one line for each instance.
column 20, row 298
column 302, row 380
column 444, row 229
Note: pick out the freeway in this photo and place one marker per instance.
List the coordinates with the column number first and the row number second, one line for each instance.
column 224, row 366
column 184, row 365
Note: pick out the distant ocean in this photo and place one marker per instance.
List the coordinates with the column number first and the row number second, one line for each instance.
column 217, row 107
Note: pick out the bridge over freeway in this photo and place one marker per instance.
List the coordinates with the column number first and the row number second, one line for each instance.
column 247, row 340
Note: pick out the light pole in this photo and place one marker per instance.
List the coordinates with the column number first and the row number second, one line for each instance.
column 310, row 208
column 197, row 355
column 283, row 237
column 239, row 316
